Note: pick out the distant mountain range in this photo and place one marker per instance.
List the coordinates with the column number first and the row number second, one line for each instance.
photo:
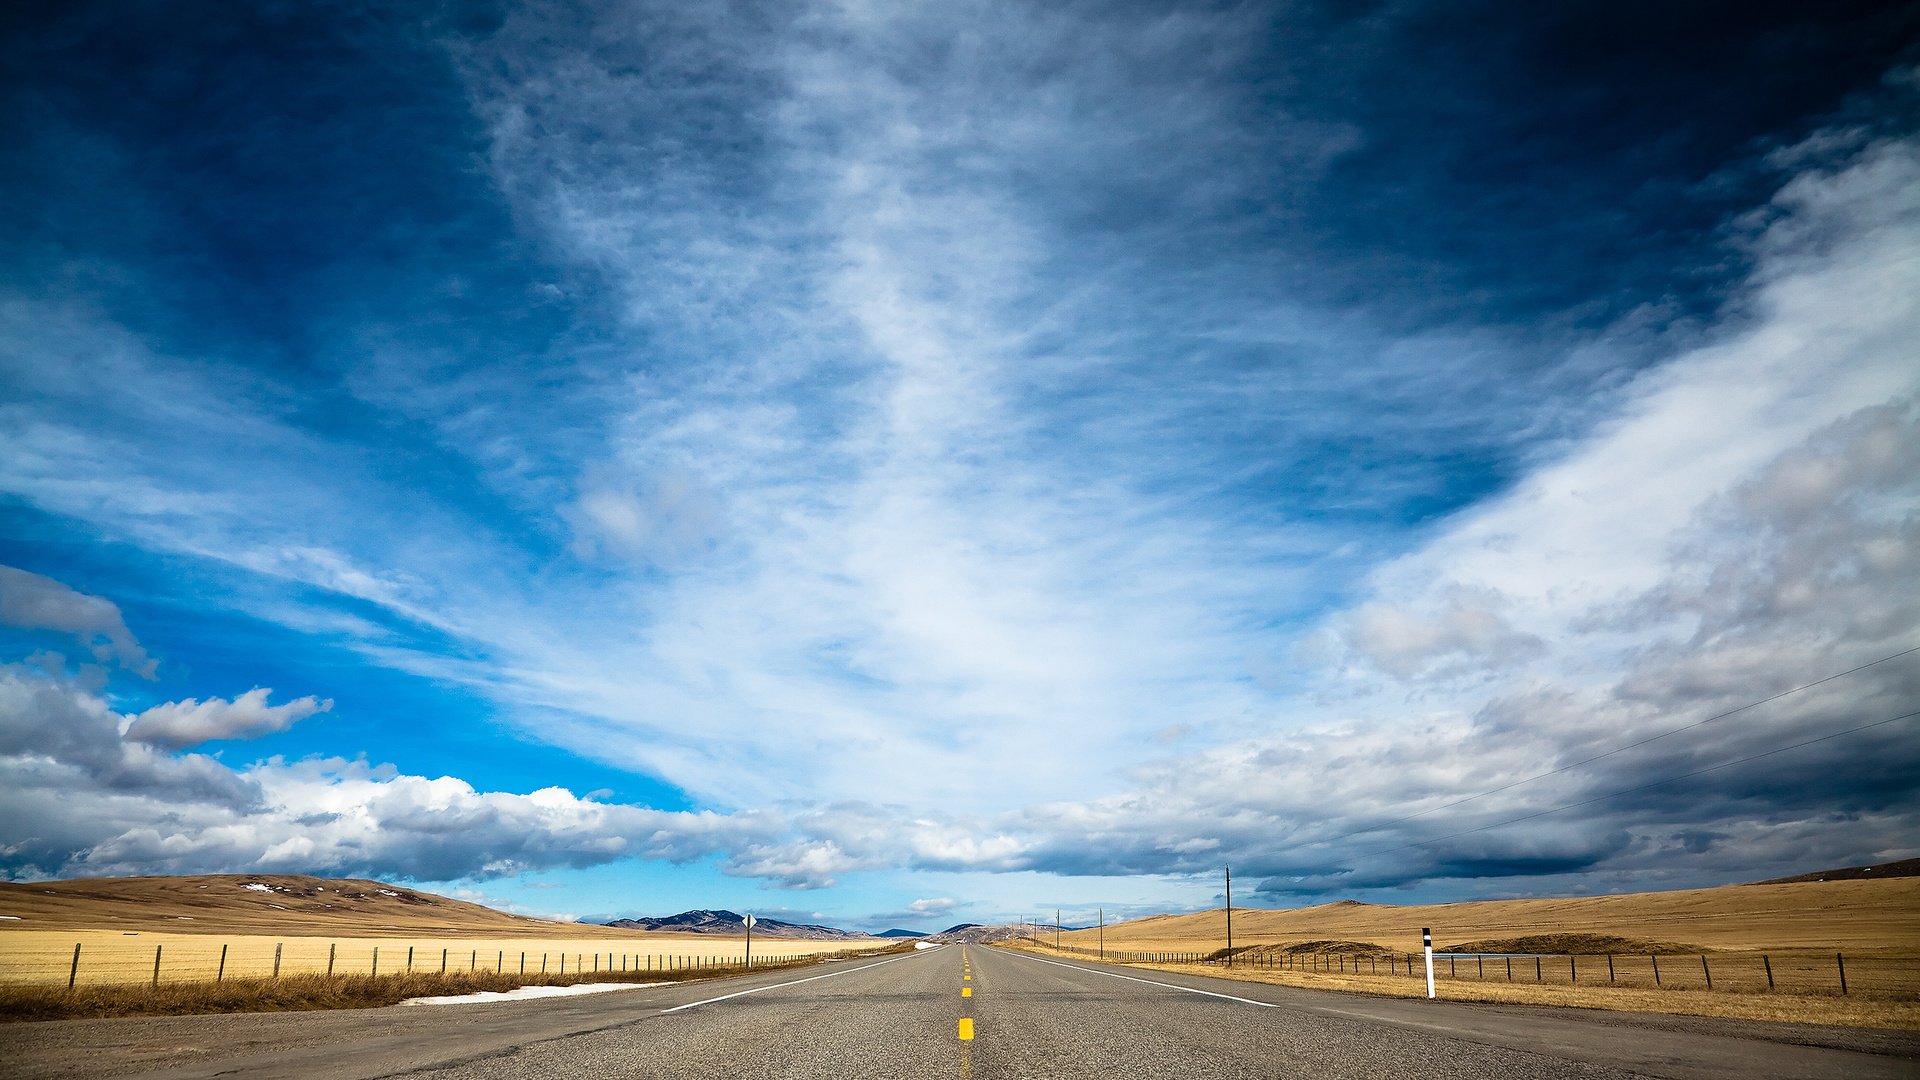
column 732, row 923
column 901, row 933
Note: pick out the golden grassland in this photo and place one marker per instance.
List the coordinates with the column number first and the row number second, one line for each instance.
column 1879, row 914
column 110, row 957
column 1771, row 949
column 309, row 991
column 1823, row 1008
column 229, row 928
column 289, row 904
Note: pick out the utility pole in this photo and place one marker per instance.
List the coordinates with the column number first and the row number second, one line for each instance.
column 1056, row 929
column 1229, row 916
column 1103, row 933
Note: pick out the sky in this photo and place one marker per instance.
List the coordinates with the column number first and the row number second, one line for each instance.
column 904, row 464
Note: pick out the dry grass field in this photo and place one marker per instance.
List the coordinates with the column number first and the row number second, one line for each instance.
column 1850, row 916
column 266, row 903
column 221, row 928
column 1763, row 952
column 1900, row 1012
column 117, row 957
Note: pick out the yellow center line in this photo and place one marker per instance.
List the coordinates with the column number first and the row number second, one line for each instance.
column 966, row 1029
column 966, row 991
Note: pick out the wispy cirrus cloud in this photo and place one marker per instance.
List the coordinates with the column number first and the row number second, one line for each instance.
column 993, row 440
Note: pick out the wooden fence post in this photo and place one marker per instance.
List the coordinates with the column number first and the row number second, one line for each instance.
column 443, row 960
column 1656, row 969
column 1837, row 959
column 409, row 958
column 276, row 959
column 1707, row 971
column 331, row 947
column 73, row 973
column 221, row 972
column 1768, row 962
column 376, row 959
column 1609, row 967
column 156, row 965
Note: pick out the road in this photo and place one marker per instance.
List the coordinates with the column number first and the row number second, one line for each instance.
column 907, row 1017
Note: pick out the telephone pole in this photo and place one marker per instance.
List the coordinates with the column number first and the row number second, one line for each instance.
column 1229, row 916
column 1056, row 929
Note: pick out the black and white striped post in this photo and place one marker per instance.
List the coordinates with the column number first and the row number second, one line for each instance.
column 1426, row 942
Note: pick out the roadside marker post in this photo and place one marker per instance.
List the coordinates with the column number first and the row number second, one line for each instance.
column 749, row 920
column 1426, row 943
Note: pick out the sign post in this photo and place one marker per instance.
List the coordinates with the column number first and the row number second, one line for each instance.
column 1426, row 942
column 749, row 921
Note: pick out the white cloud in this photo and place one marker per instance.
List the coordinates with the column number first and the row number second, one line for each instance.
column 178, row 724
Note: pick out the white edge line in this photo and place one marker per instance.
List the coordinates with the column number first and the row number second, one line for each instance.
column 1150, row 982
column 796, row 982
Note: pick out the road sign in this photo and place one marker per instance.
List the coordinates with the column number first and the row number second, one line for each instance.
column 749, row 921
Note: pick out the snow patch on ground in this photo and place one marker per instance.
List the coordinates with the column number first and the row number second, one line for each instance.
column 254, row 886
column 925, row 945
column 10, row 918
column 525, row 992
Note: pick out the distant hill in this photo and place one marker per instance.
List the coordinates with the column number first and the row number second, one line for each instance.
column 290, row 904
column 1903, row 868
column 976, row 933
column 901, row 933
column 732, row 923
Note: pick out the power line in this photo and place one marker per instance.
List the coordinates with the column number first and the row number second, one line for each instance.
column 1641, row 787
column 1612, row 752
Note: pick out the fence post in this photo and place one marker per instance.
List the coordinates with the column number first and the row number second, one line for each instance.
column 1765, row 960
column 1706, row 971
column 1837, row 959
column 1609, row 967
column 1509, row 969
column 1573, row 968
column 221, row 972
column 73, row 973
column 409, row 958
column 276, row 959
column 473, row 960
column 1536, row 969
column 443, row 960
column 1656, row 968
column 331, row 946
column 376, row 959
column 156, row 965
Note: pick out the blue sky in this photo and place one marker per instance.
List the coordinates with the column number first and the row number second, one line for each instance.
column 913, row 463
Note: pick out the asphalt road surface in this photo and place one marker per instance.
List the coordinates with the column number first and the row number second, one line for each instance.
column 957, row 1011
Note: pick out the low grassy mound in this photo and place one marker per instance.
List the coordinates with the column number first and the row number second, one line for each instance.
column 1359, row 949
column 1578, row 945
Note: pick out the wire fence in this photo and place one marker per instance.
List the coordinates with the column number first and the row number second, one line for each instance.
column 93, row 963
column 1796, row 971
